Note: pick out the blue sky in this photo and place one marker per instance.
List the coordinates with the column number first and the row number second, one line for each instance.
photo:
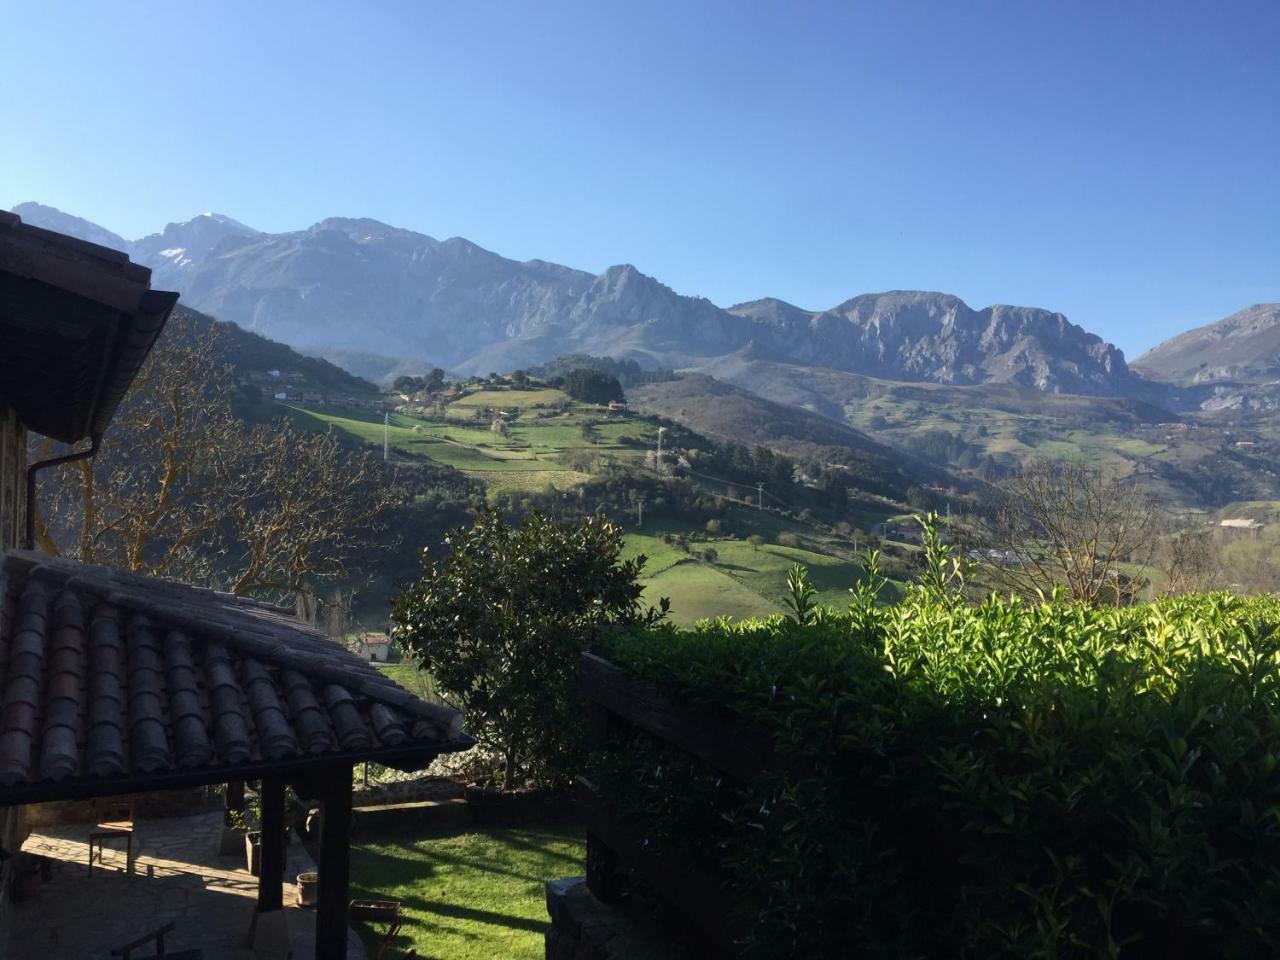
column 1117, row 162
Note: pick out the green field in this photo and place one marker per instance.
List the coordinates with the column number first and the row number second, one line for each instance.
column 743, row 581
column 531, row 458
column 526, row 458
column 508, row 399
column 699, row 591
column 467, row 896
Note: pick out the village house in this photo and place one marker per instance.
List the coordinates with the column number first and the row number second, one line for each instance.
column 115, row 687
column 1239, row 526
column 374, row 647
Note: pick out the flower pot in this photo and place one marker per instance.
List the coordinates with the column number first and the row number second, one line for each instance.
column 308, row 888
column 253, row 851
column 374, row 911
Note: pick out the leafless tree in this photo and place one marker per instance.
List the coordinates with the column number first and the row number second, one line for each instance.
column 1188, row 559
column 183, row 488
column 1075, row 526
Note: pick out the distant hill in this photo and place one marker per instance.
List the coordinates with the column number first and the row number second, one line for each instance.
column 726, row 412
column 252, row 355
column 378, row 368
column 832, row 392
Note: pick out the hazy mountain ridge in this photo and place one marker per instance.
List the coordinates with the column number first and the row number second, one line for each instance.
column 936, row 337
column 360, row 285
column 1231, row 363
column 831, row 392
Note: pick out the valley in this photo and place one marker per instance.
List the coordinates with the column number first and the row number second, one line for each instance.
column 709, row 545
column 829, row 422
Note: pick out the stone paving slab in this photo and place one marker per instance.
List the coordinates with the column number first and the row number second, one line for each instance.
column 178, row 875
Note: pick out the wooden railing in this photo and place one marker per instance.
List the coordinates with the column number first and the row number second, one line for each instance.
column 617, row 701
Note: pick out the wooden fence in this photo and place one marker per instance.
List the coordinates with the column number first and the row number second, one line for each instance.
column 618, row 701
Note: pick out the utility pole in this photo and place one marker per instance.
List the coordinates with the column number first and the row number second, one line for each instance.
column 386, row 437
column 661, row 431
column 759, row 496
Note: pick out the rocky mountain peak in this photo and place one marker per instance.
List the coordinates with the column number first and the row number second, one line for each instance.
column 1243, row 348
column 361, row 284
column 51, row 218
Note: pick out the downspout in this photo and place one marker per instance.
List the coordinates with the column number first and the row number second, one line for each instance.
column 30, row 538
column 112, row 345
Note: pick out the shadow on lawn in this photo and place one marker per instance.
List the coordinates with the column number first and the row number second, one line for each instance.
column 396, row 870
column 426, row 857
column 456, row 912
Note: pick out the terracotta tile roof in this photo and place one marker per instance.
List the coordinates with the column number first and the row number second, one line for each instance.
column 107, row 676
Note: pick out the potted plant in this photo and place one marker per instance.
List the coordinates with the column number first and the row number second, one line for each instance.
column 245, row 822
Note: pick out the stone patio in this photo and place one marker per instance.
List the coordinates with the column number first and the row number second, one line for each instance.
column 178, row 876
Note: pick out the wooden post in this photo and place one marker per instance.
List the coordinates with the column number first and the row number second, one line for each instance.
column 335, row 863
column 271, row 853
column 234, row 800
column 602, row 865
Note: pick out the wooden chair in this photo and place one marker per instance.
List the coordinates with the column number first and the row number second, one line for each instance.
column 125, row 952
column 380, row 911
column 116, row 824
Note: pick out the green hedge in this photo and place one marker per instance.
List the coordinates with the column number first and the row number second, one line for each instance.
column 992, row 781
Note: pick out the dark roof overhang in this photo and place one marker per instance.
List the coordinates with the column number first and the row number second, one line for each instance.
column 76, row 323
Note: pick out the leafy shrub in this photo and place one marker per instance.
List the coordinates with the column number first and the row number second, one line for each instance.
column 500, row 620
column 993, row 781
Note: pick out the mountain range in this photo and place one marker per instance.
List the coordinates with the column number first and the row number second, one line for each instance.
column 370, row 296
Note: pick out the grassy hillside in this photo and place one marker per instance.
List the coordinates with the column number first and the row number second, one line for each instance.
column 724, row 411
column 742, row 579
column 529, row 455
column 251, row 356
column 554, row 448
column 1200, row 460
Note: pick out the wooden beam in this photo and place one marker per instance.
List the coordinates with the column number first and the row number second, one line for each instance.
column 335, row 863
column 271, row 854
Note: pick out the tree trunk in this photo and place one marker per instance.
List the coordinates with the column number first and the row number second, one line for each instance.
column 509, row 771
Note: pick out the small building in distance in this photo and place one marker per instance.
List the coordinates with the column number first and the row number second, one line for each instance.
column 374, row 647
column 1240, row 526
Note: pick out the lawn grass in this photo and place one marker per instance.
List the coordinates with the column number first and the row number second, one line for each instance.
column 477, row 895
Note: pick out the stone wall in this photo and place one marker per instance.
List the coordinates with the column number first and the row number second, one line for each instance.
column 583, row 928
column 13, row 492
column 166, row 803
